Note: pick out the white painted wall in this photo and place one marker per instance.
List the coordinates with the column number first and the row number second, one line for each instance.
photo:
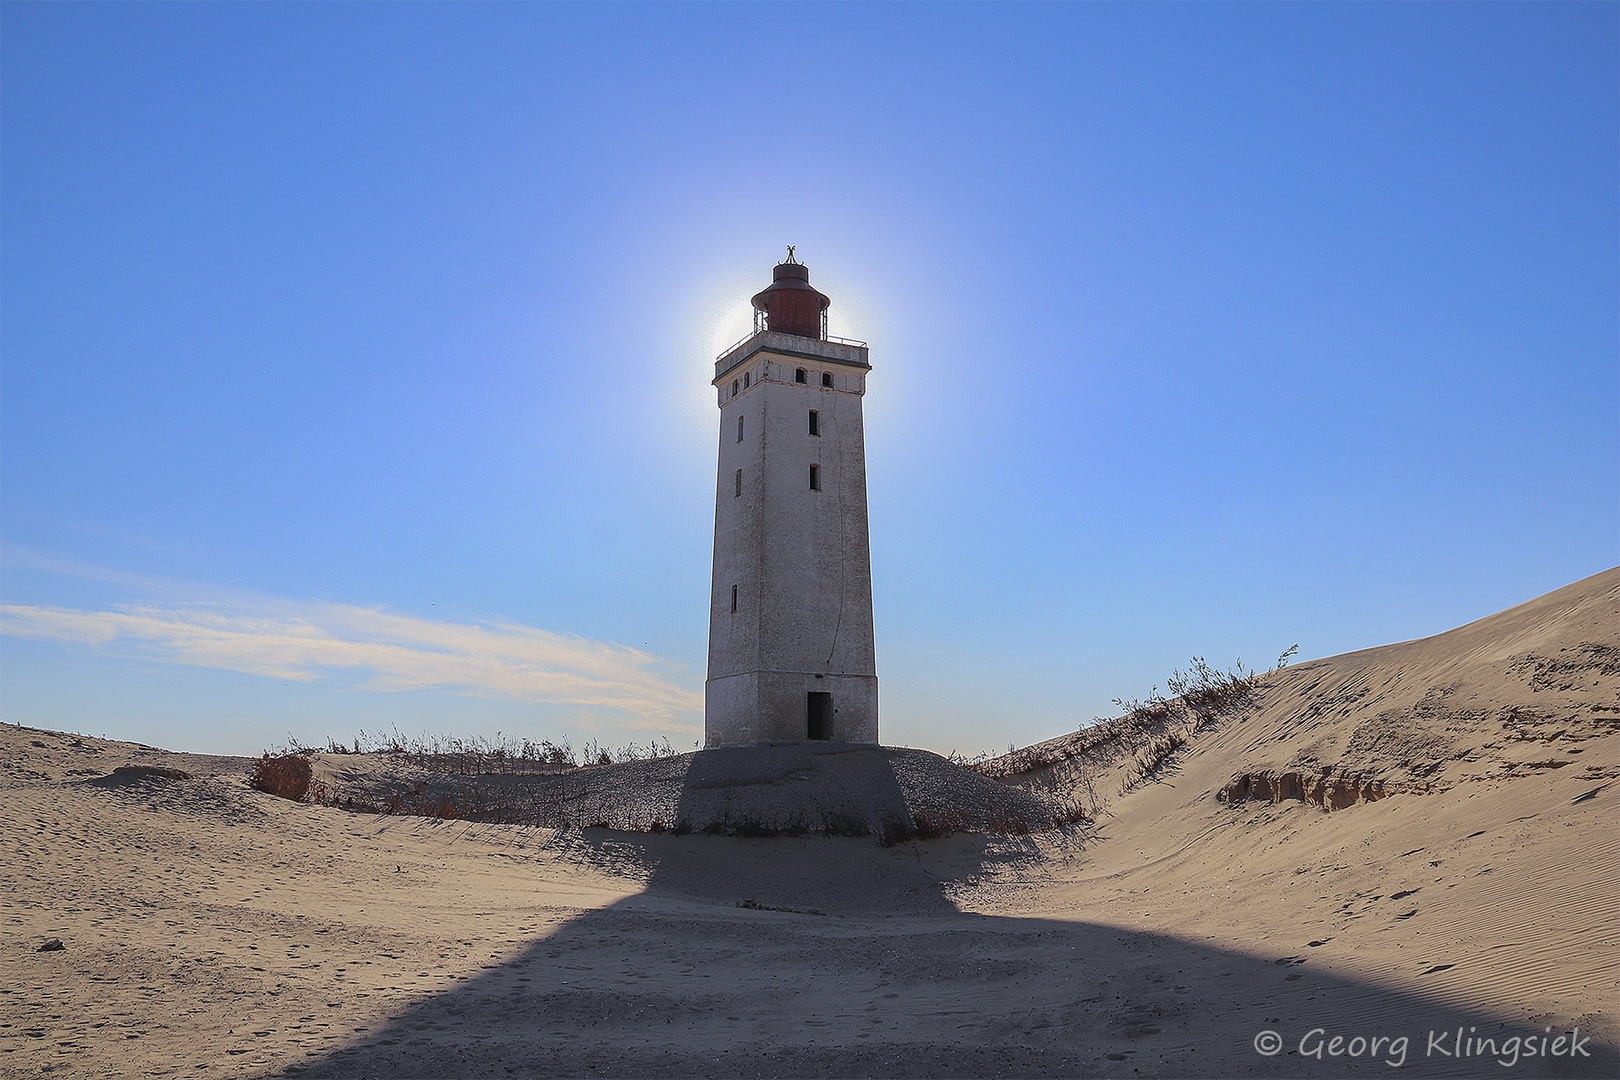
column 800, row 558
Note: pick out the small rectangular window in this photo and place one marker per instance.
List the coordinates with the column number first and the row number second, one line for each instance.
column 733, row 387
column 826, row 378
column 815, row 422
column 739, row 428
column 739, row 483
column 746, row 377
column 734, row 598
column 815, row 478
column 800, row 376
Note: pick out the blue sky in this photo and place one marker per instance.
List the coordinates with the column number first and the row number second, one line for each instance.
column 354, row 359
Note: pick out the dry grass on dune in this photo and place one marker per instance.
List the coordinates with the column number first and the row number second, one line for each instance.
column 1413, row 718
column 1082, row 771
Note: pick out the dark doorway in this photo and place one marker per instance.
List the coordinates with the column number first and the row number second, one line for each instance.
column 818, row 716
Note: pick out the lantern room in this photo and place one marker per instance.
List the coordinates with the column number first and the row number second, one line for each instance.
column 790, row 305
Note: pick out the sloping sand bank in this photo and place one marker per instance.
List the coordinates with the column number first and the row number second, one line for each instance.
column 212, row 930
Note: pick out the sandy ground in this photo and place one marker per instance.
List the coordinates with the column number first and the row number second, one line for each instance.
column 212, row 930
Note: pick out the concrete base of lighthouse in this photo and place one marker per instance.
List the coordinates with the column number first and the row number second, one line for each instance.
column 791, row 707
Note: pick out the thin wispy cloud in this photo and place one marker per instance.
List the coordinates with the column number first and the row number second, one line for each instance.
column 316, row 641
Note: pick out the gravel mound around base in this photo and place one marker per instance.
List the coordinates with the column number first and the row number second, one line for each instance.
column 894, row 793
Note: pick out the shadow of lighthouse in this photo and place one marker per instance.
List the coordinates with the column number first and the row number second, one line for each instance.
column 836, row 956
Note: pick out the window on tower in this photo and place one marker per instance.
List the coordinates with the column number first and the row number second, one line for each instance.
column 815, row 422
column 801, row 376
column 826, row 378
column 815, row 478
column 739, row 484
column 746, row 376
column 739, row 428
column 734, row 598
column 733, row 387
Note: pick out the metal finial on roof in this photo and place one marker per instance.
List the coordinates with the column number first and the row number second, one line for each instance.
column 790, row 257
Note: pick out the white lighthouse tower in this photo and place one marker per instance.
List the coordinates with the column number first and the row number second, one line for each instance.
column 790, row 614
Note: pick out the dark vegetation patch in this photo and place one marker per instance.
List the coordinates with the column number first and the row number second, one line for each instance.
column 149, row 772
column 286, row 776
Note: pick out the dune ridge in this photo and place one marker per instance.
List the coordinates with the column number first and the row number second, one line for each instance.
column 1421, row 716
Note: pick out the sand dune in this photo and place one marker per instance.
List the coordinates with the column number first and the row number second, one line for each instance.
column 1465, row 877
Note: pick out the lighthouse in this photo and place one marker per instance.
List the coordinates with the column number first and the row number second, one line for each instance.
column 791, row 656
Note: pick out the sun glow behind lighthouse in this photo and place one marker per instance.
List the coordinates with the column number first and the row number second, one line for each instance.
column 734, row 324
column 729, row 319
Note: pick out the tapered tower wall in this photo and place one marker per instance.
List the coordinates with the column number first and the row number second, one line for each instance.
column 791, row 600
